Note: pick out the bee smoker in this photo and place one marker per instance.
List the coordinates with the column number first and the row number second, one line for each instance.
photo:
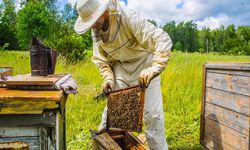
column 42, row 59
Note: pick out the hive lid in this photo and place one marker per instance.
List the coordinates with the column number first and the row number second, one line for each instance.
column 242, row 66
column 27, row 79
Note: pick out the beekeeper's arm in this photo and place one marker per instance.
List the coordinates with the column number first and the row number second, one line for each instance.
column 100, row 58
column 153, row 39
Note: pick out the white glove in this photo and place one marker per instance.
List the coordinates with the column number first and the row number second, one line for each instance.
column 107, row 86
column 160, row 60
column 148, row 74
column 67, row 84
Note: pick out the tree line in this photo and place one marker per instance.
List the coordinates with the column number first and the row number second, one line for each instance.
column 53, row 24
column 229, row 40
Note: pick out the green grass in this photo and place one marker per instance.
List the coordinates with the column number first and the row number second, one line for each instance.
column 181, row 88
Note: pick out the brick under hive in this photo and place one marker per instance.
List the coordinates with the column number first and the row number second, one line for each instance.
column 125, row 109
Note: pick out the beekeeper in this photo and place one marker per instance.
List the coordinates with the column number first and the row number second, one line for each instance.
column 128, row 50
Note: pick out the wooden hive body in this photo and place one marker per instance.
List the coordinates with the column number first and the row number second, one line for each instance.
column 225, row 106
column 34, row 117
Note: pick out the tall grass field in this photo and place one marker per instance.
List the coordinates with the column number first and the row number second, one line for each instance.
column 181, row 84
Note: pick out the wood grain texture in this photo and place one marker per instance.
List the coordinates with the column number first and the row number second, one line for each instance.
column 228, row 118
column 202, row 115
column 231, row 83
column 230, row 72
column 18, row 131
column 14, row 146
column 225, row 106
column 34, row 95
column 133, row 143
column 233, row 101
column 214, row 143
column 105, row 141
column 26, row 107
column 33, row 142
column 229, row 65
column 47, row 119
column 225, row 134
column 34, row 80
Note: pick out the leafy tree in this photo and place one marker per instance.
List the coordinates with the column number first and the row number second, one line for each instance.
column 178, row 45
column 230, row 31
column 217, row 39
column 243, row 33
column 32, row 21
column 8, row 24
column 191, row 36
column 204, row 39
column 171, row 30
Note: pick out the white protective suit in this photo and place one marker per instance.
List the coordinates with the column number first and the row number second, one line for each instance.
column 130, row 45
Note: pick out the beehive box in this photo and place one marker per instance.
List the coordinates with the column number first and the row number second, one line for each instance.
column 34, row 117
column 225, row 106
column 116, row 140
column 125, row 109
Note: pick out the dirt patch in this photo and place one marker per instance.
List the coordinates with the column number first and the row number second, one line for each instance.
column 125, row 109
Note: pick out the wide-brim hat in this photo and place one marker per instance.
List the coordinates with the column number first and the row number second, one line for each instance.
column 89, row 12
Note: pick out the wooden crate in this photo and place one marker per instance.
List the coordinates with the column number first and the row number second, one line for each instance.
column 116, row 140
column 225, row 106
column 33, row 117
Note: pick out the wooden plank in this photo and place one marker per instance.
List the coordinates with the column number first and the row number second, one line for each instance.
column 233, row 101
column 226, row 134
column 33, row 142
column 14, row 146
column 202, row 115
column 27, row 107
column 43, row 138
column 34, row 80
column 18, row 131
column 133, row 143
column 213, row 143
column 229, row 65
column 105, row 141
column 228, row 118
column 231, row 83
column 230, row 72
column 60, row 132
column 47, row 119
column 8, row 95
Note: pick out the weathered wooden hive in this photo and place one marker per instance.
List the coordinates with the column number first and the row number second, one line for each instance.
column 225, row 106
column 31, row 118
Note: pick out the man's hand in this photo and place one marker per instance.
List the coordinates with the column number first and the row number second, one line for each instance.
column 147, row 75
column 107, row 86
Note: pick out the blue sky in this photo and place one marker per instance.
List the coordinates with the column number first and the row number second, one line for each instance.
column 206, row 13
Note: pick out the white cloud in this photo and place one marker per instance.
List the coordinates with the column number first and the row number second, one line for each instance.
column 214, row 22
column 205, row 12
